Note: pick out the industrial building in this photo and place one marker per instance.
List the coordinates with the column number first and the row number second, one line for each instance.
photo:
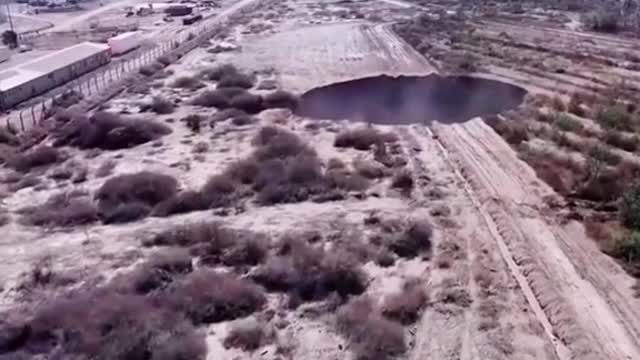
column 38, row 76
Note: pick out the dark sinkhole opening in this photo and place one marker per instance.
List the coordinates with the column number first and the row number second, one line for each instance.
column 411, row 99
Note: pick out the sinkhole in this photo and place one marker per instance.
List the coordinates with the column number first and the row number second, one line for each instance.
column 410, row 99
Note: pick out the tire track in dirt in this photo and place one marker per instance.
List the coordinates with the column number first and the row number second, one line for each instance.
column 572, row 306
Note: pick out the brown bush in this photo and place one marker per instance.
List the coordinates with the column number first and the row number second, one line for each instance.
column 218, row 72
column 125, row 212
column 193, row 122
column 244, row 171
column 109, row 132
column 105, row 324
column 162, row 106
column 346, row 180
column 211, row 233
column 236, row 79
column 243, row 120
column 36, row 157
column 247, row 102
column 369, row 169
column 412, row 241
column 512, row 132
column 385, row 258
column 220, row 191
column 248, row 336
column 62, row 209
column 362, row 138
column 144, row 188
column 149, row 70
column 310, row 273
column 183, row 202
column 403, row 180
column 187, row 82
column 406, row 306
column 335, row 163
column 371, row 336
column 159, row 271
column 281, row 99
column 627, row 142
column 207, row 297
column 25, row 181
column 212, row 98
column 227, row 114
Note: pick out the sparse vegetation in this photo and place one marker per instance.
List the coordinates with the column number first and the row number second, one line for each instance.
column 565, row 122
column 403, row 180
column 109, row 131
column 37, row 157
column 615, row 117
column 208, row 297
column 363, row 138
column 371, row 335
column 62, row 209
column 406, row 306
column 162, row 106
column 188, row 83
column 248, row 335
column 413, row 241
column 130, row 194
column 281, row 99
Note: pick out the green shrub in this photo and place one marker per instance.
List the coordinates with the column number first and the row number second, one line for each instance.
column 604, row 155
column 615, row 117
column 565, row 122
column 630, row 207
column 628, row 248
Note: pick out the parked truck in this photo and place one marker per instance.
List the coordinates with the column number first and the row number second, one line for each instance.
column 124, row 42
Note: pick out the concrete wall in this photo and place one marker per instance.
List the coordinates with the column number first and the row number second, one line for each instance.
column 54, row 79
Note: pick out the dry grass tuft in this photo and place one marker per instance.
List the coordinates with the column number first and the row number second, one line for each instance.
column 187, row 82
column 248, row 335
column 162, row 106
column 37, row 157
column 413, row 241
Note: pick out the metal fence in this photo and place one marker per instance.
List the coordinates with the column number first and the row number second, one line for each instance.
column 96, row 82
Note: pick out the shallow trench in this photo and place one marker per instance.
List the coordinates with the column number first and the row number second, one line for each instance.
column 410, row 99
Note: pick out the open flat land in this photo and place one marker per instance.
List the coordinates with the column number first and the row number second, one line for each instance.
column 253, row 199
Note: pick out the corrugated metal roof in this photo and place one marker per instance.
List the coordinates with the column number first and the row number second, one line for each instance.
column 34, row 69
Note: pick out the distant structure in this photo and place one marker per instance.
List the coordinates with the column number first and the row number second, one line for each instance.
column 38, row 76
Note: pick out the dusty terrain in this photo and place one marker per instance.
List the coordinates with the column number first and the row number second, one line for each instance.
column 509, row 271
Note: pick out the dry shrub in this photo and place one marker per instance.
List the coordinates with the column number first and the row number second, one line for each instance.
column 565, row 122
column 66, row 99
column 369, row 169
column 109, row 131
column 216, row 244
column 220, row 191
column 159, row 271
column 193, row 122
column 363, row 138
column 218, row 72
column 62, row 209
column 218, row 98
column 34, row 158
column 557, row 104
column 106, row 324
column 406, row 306
column 208, row 297
column 335, row 163
column 371, row 335
column 414, row 240
column 183, row 202
column 385, row 258
column 187, row 82
column 248, row 335
column 453, row 293
column 403, row 180
column 627, row 142
column 512, row 132
column 247, row 102
column 310, row 273
column 143, row 189
column 281, row 99
column 227, row 114
column 615, row 117
column 346, row 180
column 150, row 70
column 162, row 106
column 125, row 212
column 243, row 171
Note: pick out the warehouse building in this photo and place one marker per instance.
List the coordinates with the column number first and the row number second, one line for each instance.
column 38, row 76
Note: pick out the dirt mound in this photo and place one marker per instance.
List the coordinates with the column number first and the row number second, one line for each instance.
column 410, row 99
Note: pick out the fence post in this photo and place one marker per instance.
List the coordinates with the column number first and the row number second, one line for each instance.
column 21, row 121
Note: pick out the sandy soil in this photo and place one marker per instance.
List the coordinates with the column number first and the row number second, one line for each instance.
column 539, row 288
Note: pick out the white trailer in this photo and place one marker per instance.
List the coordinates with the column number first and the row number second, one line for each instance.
column 124, row 42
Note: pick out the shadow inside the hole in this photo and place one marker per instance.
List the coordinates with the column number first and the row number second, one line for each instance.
column 410, row 99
